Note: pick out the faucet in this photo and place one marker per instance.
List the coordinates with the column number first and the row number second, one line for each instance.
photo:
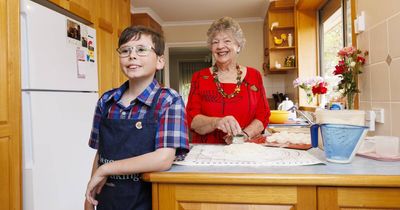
column 296, row 109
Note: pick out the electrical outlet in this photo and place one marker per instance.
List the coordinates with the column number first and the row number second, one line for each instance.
column 370, row 117
column 380, row 115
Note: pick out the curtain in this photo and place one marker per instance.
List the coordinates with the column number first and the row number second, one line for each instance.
column 186, row 70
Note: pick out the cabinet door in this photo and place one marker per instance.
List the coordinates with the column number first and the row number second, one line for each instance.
column 62, row 3
column 106, row 43
column 351, row 198
column 82, row 8
column 145, row 20
column 238, row 197
column 124, row 20
column 10, row 96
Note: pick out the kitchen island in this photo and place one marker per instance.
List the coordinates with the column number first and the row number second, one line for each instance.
column 362, row 184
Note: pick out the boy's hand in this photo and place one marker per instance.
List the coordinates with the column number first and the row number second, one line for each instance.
column 94, row 187
column 88, row 206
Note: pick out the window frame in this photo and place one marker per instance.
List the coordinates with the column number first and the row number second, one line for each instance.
column 346, row 42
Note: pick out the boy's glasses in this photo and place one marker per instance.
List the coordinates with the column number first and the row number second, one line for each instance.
column 140, row 50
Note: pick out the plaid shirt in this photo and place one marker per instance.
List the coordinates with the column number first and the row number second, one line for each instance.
column 169, row 111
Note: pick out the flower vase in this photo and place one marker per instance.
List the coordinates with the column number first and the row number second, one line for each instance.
column 350, row 100
column 322, row 101
column 310, row 98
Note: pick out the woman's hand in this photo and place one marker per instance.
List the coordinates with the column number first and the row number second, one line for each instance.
column 229, row 125
column 94, row 186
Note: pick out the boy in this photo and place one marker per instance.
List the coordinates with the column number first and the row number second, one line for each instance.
column 138, row 127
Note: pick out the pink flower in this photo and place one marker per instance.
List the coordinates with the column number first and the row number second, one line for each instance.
column 346, row 51
column 349, row 66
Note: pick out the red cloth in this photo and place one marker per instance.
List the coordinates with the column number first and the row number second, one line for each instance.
column 251, row 103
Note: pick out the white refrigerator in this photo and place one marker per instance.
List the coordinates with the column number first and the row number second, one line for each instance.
column 59, row 94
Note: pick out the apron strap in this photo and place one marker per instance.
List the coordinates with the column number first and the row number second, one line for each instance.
column 150, row 113
column 107, row 106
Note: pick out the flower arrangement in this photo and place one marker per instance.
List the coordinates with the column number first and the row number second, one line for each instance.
column 349, row 67
column 318, row 86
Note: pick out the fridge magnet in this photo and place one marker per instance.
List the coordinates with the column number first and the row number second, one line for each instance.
column 84, row 35
column 80, row 60
column 73, row 33
column 84, row 42
column 90, row 56
column 80, row 54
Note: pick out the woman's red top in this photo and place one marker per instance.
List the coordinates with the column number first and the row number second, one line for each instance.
column 251, row 102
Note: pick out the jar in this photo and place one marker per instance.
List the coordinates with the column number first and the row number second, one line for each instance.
column 290, row 40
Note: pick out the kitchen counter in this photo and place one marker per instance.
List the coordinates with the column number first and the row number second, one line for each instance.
column 328, row 186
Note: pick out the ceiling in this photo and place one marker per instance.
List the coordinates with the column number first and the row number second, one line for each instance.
column 175, row 12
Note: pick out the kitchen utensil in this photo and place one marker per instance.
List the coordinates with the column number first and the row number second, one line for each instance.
column 340, row 141
column 286, row 105
column 278, row 116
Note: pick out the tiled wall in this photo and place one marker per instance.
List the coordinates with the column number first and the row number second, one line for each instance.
column 274, row 83
column 380, row 81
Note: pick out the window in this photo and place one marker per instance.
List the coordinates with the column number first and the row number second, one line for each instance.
column 335, row 32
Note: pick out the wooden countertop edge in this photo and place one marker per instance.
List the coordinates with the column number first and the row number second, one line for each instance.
column 274, row 179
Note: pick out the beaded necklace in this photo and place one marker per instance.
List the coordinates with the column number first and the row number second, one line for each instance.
column 218, row 84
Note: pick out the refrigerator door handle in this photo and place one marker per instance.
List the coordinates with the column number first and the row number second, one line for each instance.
column 27, row 149
column 24, row 50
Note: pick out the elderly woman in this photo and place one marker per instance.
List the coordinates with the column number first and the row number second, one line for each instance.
column 226, row 99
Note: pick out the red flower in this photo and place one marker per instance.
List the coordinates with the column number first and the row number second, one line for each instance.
column 360, row 59
column 319, row 88
column 339, row 69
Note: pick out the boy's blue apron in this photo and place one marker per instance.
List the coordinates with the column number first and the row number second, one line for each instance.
column 121, row 139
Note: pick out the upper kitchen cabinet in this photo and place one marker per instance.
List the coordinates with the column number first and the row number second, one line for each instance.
column 124, row 20
column 279, row 31
column 123, row 15
column 81, row 8
column 145, row 20
column 107, row 43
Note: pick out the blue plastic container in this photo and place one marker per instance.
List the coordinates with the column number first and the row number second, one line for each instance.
column 341, row 142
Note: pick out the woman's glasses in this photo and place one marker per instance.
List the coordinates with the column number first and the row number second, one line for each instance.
column 140, row 50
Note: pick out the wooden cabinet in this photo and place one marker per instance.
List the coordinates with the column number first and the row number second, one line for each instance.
column 226, row 191
column 123, row 20
column 335, row 198
column 279, row 32
column 83, row 8
column 109, row 24
column 245, row 191
column 10, row 103
column 106, row 45
column 240, row 197
column 145, row 20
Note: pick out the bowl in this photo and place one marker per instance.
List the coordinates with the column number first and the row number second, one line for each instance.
column 278, row 116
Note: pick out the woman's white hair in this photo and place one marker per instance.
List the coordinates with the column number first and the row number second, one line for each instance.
column 226, row 24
